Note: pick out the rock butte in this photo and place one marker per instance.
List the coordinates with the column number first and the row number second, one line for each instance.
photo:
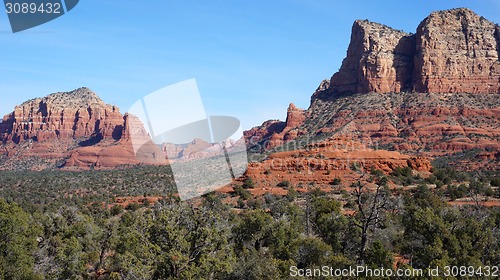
column 453, row 51
column 73, row 130
column 277, row 132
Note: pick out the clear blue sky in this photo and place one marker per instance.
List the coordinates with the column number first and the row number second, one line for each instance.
column 250, row 58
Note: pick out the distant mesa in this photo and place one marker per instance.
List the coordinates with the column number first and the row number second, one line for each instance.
column 75, row 114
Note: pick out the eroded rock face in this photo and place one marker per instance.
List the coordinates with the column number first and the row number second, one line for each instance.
column 110, row 156
column 379, row 59
column 453, row 51
column 420, row 124
column 457, row 51
column 294, row 117
column 76, row 114
column 429, row 124
column 80, row 131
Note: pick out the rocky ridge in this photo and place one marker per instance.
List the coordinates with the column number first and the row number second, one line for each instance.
column 76, row 130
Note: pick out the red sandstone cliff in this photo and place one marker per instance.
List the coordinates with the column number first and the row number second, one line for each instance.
column 76, row 114
column 457, row 51
column 77, row 130
column 379, row 59
column 72, row 130
column 453, row 51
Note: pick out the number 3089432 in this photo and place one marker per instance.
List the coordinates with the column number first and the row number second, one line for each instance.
column 33, row 8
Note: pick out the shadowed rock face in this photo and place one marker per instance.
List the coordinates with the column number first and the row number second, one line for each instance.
column 453, row 51
column 379, row 59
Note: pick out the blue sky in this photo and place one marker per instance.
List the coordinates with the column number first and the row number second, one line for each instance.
column 250, row 58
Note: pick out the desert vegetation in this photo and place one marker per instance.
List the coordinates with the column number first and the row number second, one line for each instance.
column 64, row 225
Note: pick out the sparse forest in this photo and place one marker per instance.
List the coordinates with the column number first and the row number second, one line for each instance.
column 61, row 225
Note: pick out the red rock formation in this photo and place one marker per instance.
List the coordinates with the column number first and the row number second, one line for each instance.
column 379, row 59
column 294, row 117
column 100, row 157
column 419, row 163
column 427, row 124
column 274, row 133
column 439, row 90
column 76, row 114
column 414, row 123
column 74, row 130
column 110, row 156
column 322, row 162
column 453, row 51
column 457, row 51
column 257, row 134
column 172, row 151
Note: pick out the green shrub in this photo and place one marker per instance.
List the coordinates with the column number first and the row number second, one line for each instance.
column 248, row 183
column 402, row 172
column 376, row 172
column 116, row 209
column 495, row 182
column 242, row 193
column 284, row 184
column 133, row 206
column 336, row 181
